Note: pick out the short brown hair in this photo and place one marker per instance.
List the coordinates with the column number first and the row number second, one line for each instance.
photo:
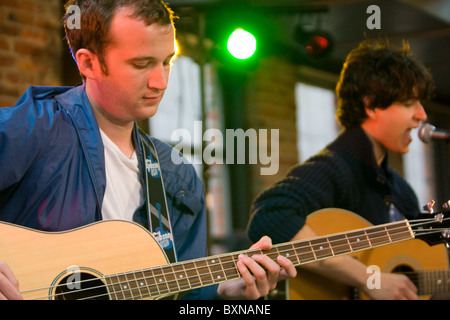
column 96, row 17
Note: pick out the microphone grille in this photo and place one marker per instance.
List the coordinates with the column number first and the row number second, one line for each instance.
column 425, row 132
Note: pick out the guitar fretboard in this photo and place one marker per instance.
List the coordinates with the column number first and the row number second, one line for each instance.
column 178, row 277
column 431, row 281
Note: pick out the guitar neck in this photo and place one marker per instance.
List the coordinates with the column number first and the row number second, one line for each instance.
column 178, row 277
column 430, row 281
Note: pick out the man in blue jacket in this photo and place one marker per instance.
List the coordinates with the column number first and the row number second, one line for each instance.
column 73, row 156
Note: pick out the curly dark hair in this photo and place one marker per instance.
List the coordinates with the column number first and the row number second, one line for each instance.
column 96, row 17
column 378, row 74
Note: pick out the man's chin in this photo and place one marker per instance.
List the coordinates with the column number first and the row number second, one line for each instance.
column 146, row 113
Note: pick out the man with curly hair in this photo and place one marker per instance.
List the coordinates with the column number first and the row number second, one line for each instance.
column 379, row 103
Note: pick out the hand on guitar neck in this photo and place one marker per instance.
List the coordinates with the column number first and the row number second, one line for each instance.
column 87, row 262
column 260, row 274
column 351, row 272
column 346, row 277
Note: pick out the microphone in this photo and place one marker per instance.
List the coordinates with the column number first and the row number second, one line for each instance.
column 427, row 132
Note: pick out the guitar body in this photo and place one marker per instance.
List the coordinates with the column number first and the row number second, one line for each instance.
column 120, row 260
column 44, row 260
column 410, row 255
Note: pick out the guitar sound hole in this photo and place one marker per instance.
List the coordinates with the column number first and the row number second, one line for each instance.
column 81, row 286
column 402, row 268
column 407, row 271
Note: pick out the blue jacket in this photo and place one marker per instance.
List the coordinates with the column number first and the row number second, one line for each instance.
column 53, row 177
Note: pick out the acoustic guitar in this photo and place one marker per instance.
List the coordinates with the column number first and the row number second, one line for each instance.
column 426, row 266
column 120, row 260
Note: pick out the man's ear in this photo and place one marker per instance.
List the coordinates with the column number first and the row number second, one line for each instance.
column 88, row 63
column 370, row 111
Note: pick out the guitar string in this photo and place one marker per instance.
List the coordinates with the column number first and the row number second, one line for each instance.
column 179, row 289
column 430, row 286
column 141, row 294
column 152, row 285
column 431, row 280
column 168, row 285
column 427, row 273
column 189, row 277
column 428, row 281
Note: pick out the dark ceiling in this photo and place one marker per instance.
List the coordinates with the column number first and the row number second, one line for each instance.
column 424, row 24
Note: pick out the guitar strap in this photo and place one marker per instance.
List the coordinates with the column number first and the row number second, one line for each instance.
column 157, row 212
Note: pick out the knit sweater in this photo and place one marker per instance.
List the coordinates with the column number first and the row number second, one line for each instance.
column 343, row 175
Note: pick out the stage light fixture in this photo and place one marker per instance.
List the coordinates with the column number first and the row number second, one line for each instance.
column 318, row 44
column 241, row 44
column 314, row 42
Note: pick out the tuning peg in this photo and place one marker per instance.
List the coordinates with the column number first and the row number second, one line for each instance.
column 429, row 206
column 446, row 205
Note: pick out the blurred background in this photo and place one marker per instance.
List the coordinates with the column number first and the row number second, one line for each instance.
column 287, row 84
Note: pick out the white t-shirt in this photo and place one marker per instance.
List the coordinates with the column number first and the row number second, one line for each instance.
column 124, row 193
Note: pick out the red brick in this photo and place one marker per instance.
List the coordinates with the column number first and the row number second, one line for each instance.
column 8, row 91
column 27, row 48
column 7, row 101
column 7, row 60
column 21, row 17
column 34, row 34
column 4, row 43
column 9, row 29
column 26, row 64
column 16, row 77
column 28, row 5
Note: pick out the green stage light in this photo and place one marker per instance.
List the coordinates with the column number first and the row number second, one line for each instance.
column 241, row 44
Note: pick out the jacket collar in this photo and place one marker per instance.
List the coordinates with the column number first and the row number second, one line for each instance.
column 78, row 107
column 75, row 102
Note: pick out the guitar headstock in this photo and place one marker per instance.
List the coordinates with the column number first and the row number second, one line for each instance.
column 433, row 227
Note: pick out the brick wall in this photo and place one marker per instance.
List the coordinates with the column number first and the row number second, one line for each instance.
column 31, row 43
column 270, row 104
